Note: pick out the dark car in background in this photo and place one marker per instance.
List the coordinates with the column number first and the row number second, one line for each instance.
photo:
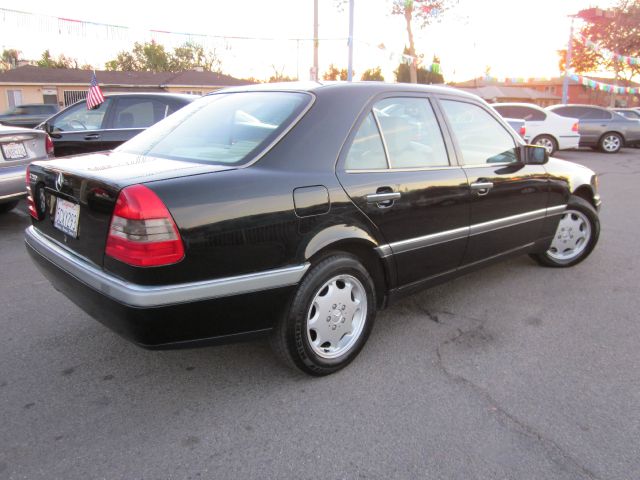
column 77, row 130
column 28, row 115
column 601, row 128
column 297, row 211
column 632, row 113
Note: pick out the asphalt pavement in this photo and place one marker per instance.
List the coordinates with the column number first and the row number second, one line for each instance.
column 512, row 372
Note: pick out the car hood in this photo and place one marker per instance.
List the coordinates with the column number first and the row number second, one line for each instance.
column 119, row 168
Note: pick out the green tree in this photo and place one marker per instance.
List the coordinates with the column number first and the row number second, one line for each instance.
column 421, row 13
column 279, row 76
column 153, row 57
column 373, row 75
column 333, row 73
column 616, row 30
column 10, row 59
column 48, row 61
column 424, row 76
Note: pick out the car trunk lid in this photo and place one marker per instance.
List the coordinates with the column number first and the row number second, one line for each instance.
column 75, row 197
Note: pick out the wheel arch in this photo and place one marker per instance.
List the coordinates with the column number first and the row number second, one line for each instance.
column 359, row 244
column 585, row 192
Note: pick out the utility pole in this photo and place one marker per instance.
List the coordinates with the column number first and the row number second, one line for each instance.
column 350, row 66
column 567, row 65
column 314, row 69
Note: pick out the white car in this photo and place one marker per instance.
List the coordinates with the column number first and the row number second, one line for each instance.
column 543, row 127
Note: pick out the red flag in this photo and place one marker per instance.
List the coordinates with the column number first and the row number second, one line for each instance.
column 94, row 95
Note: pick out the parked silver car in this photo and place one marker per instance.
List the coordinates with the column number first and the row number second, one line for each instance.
column 601, row 128
column 18, row 148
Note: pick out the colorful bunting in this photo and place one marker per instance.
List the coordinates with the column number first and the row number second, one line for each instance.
column 603, row 87
column 608, row 53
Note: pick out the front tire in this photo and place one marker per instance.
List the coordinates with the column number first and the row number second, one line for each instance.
column 330, row 317
column 611, row 142
column 546, row 141
column 576, row 236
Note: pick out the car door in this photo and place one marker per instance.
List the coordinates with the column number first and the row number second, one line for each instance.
column 78, row 129
column 508, row 198
column 133, row 114
column 399, row 171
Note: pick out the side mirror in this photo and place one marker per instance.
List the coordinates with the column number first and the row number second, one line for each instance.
column 534, row 155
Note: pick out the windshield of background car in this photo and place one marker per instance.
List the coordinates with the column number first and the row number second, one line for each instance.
column 225, row 129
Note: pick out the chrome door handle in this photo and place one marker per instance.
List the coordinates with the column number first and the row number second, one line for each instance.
column 481, row 188
column 383, row 197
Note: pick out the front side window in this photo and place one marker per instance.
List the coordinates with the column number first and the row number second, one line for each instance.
column 482, row 139
column 225, row 129
column 79, row 118
column 597, row 114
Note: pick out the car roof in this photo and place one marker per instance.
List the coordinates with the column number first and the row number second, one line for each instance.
column 37, row 105
column 370, row 87
column 517, row 104
column 576, row 105
column 152, row 94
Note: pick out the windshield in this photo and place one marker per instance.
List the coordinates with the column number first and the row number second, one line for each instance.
column 225, row 129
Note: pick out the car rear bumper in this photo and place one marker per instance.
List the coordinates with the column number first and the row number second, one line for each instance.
column 169, row 316
column 568, row 141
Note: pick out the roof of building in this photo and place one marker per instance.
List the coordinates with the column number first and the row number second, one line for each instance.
column 492, row 92
column 30, row 74
column 485, row 82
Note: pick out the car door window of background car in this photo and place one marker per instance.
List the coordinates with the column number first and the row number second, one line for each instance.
column 597, row 114
column 138, row 112
column 481, row 138
column 411, row 133
column 367, row 151
column 79, row 118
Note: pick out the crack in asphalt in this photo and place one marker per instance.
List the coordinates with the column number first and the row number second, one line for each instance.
column 554, row 451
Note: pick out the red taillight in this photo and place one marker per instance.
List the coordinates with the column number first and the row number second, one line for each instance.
column 523, row 130
column 576, row 127
column 142, row 231
column 30, row 203
column 49, row 146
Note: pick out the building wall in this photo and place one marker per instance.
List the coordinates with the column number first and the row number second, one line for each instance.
column 30, row 94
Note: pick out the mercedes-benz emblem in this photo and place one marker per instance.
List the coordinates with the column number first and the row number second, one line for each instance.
column 59, row 181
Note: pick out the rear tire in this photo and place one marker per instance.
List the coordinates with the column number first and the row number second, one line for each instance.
column 330, row 317
column 8, row 206
column 611, row 142
column 576, row 236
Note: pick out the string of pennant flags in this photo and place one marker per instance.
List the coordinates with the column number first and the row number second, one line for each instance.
column 628, row 60
column 603, row 87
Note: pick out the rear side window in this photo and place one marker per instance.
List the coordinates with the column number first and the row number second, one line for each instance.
column 482, row 139
column 367, row 151
column 138, row 112
column 597, row 114
column 521, row 112
column 226, row 129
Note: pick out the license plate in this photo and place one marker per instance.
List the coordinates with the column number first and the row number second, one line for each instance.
column 67, row 216
column 14, row 151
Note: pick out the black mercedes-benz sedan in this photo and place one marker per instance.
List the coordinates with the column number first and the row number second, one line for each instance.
column 297, row 211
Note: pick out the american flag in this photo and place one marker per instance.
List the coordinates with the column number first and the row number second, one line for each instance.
column 94, row 95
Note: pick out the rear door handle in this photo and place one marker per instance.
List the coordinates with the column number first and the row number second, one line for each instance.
column 92, row 136
column 383, row 198
column 481, row 187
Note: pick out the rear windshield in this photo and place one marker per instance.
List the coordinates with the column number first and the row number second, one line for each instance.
column 225, row 129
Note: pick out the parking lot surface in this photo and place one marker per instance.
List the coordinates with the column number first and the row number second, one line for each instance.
column 512, row 372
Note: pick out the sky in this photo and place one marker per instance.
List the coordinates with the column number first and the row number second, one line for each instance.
column 511, row 37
